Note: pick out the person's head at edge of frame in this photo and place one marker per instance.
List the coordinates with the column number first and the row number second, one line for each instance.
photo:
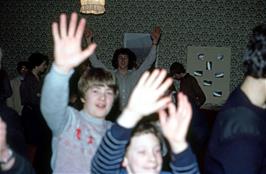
column 38, row 62
column 97, row 90
column 255, row 54
column 177, row 70
column 124, row 59
column 145, row 150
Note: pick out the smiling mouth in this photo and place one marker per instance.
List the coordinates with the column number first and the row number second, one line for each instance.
column 101, row 106
column 153, row 169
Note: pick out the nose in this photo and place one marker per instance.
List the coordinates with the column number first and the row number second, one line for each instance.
column 102, row 96
column 152, row 157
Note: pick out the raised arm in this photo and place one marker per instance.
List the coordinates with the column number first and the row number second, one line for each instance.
column 95, row 62
column 67, row 43
column 67, row 55
column 146, row 98
column 149, row 60
column 174, row 126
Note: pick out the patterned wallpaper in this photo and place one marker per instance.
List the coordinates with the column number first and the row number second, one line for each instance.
column 25, row 27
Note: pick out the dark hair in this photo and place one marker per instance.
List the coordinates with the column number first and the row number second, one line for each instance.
column 255, row 55
column 146, row 127
column 37, row 59
column 177, row 68
column 125, row 51
column 21, row 64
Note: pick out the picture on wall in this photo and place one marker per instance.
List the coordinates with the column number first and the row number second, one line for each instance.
column 211, row 67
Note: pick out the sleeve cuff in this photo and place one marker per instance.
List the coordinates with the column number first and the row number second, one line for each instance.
column 120, row 133
column 54, row 68
column 184, row 158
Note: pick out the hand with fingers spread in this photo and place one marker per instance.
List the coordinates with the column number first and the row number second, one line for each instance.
column 146, row 98
column 175, row 124
column 67, row 40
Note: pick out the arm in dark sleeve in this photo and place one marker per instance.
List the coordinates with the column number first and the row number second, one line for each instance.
column 243, row 155
column 111, row 151
column 237, row 144
column 29, row 90
column 199, row 94
column 184, row 162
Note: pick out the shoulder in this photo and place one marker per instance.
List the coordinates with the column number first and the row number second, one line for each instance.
column 239, row 121
column 8, row 112
column 108, row 123
column 190, row 77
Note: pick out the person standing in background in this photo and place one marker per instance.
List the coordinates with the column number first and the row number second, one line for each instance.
column 37, row 133
column 238, row 141
column 15, row 100
column 123, row 63
column 199, row 131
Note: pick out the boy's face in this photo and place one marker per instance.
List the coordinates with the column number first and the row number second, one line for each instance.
column 122, row 61
column 98, row 101
column 24, row 70
column 42, row 67
column 143, row 155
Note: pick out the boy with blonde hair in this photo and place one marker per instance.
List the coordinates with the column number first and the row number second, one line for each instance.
column 76, row 134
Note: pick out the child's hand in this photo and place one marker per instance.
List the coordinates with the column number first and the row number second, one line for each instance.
column 67, row 42
column 175, row 125
column 146, row 98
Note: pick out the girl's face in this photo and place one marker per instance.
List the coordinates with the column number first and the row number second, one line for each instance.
column 143, row 155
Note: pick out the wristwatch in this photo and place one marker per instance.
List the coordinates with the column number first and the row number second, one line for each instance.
column 6, row 155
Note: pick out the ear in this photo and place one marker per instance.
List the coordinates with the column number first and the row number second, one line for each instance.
column 82, row 100
column 125, row 162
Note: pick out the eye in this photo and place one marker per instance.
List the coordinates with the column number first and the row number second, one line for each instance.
column 141, row 152
column 158, row 150
column 95, row 90
column 110, row 93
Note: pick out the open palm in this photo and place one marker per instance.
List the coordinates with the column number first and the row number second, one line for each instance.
column 147, row 97
column 176, row 122
column 67, row 39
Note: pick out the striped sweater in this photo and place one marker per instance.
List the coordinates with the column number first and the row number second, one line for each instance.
column 111, row 151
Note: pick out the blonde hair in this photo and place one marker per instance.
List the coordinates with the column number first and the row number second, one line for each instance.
column 96, row 77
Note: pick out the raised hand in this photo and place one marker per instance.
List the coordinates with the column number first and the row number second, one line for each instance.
column 155, row 35
column 147, row 97
column 88, row 35
column 175, row 124
column 67, row 42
